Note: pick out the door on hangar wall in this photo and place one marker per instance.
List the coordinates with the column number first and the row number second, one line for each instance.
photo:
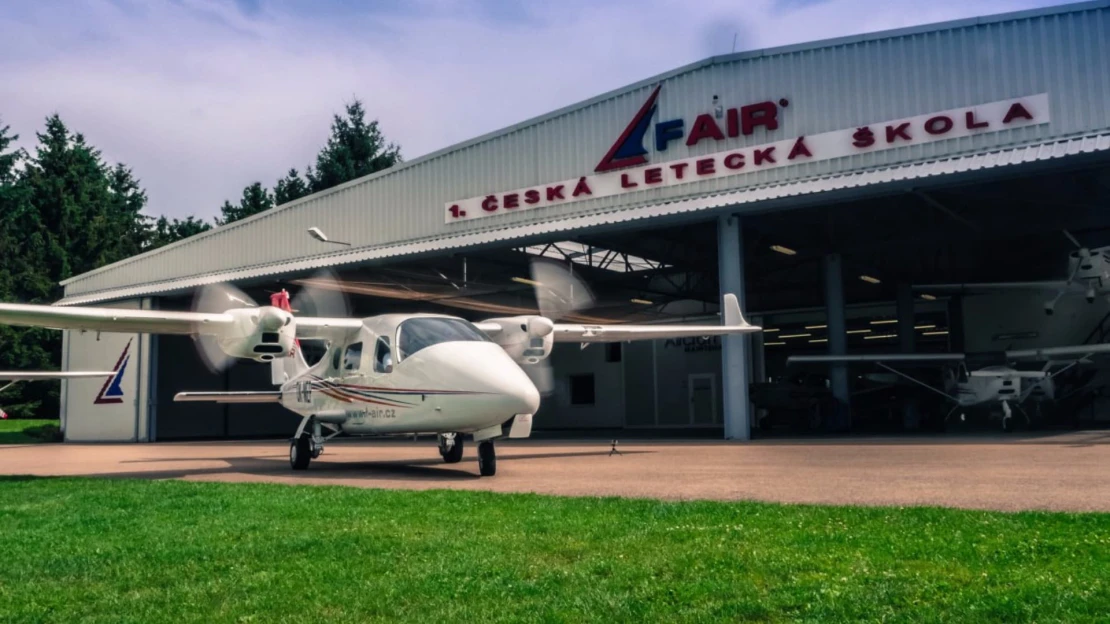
column 703, row 398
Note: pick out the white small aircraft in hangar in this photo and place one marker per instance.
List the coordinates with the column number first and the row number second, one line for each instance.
column 1088, row 275
column 388, row 374
column 995, row 384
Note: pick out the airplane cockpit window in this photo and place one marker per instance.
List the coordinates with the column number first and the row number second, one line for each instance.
column 383, row 356
column 352, row 357
column 421, row 333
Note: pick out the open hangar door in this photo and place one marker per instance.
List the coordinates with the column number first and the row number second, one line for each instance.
column 1003, row 231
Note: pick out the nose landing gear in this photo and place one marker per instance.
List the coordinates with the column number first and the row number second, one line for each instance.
column 451, row 447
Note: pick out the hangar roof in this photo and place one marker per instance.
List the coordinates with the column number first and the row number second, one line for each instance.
column 838, row 84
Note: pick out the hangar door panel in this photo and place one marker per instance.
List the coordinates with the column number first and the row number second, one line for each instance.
column 103, row 410
column 180, row 369
column 246, row 420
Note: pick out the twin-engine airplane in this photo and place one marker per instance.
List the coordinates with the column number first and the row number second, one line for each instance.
column 993, row 384
column 388, row 374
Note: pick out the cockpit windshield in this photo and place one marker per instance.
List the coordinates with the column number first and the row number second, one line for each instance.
column 420, row 333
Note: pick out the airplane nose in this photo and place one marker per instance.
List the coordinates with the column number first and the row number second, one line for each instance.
column 499, row 385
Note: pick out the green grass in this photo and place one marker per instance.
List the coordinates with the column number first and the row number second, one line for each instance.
column 99, row 550
column 15, row 431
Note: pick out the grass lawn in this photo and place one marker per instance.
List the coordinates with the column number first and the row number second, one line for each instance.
column 98, row 550
column 14, row 431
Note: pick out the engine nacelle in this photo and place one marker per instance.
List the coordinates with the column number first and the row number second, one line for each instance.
column 527, row 339
column 260, row 334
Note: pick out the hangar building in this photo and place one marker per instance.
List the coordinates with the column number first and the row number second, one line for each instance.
column 823, row 183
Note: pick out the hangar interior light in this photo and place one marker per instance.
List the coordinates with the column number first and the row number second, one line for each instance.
column 869, row 279
column 783, row 250
column 591, row 256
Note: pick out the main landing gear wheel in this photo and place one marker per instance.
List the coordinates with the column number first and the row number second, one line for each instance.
column 487, row 459
column 300, row 452
column 451, row 447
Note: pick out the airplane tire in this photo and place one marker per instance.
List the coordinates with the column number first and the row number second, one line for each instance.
column 454, row 455
column 487, row 459
column 300, row 452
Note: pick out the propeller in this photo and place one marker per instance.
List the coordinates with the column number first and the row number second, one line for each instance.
column 216, row 299
column 321, row 295
column 558, row 292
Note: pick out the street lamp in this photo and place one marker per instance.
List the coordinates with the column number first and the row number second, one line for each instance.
column 319, row 235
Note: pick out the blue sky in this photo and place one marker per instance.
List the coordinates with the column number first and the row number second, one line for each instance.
column 202, row 97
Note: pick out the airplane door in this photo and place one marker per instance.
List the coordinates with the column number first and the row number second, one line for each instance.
column 703, row 398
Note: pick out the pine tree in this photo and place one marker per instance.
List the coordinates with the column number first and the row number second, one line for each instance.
column 290, row 188
column 355, row 148
column 255, row 200
column 165, row 231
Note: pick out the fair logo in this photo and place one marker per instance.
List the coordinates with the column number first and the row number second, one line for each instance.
column 112, row 391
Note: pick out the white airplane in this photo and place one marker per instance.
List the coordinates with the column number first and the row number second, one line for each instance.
column 1000, row 385
column 388, row 374
column 1088, row 275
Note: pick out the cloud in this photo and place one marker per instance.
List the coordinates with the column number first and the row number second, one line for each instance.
column 202, row 97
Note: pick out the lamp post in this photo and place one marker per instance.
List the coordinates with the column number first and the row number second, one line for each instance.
column 319, row 235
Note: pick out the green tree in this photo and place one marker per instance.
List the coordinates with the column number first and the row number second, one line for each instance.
column 355, row 148
column 20, row 349
column 290, row 188
column 255, row 200
column 64, row 212
column 164, row 231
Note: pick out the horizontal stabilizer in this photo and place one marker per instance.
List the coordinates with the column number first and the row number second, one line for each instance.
column 227, row 397
column 47, row 375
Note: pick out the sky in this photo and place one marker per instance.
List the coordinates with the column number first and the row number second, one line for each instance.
column 203, row 97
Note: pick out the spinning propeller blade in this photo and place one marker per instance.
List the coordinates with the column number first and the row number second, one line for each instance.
column 216, row 299
column 558, row 293
column 322, row 295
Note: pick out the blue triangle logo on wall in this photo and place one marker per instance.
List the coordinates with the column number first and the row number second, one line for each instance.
column 112, row 391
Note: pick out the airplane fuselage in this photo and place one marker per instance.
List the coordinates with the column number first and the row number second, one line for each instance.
column 406, row 374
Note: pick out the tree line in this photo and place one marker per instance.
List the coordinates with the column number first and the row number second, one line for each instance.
column 65, row 211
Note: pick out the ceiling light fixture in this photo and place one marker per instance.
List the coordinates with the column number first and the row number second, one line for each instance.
column 773, row 344
column 928, row 297
column 859, row 331
column 816, row 326
column 796, row 336
column 820, row 340
column 943, row 332
column 784, row 250
column 869, row 279
column 924, row 326
column 642, row 301
column 526, row 281
column 770, row 330
column 880, row 336
column 884, row 322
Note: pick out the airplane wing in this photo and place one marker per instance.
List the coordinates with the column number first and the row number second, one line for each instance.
column 109, row 319
column 46, row 375
column 1055, row 353
column 320, row 327
column 1051, row 285
column 149, row 321
column 734, row 323
column 1046, row 353
column 878, row 357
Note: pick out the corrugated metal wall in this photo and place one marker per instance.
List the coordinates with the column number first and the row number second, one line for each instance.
column 846, row 83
